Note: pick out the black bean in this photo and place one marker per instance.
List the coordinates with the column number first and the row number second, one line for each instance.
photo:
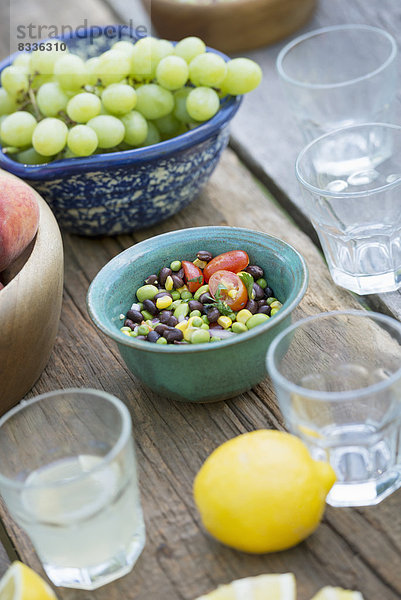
column 261, row 302
column 252, row 306
column 269, row 292
column 180, row 273
column 141, row 337
column 172, row 322
column 206, row 298
column 161, row 328
column 151, row 280
column 259, row 292
column 153, row 336
column 165, row 316
column 130, row 324
column 177, row 281
column 266, row 310
column 213, row 314
column 162, row 294
column 164, row 273
column 150, row 306
column 255, row 271
column 135, row 315
column 196, row 305
column 173, row 334
column 204, row 255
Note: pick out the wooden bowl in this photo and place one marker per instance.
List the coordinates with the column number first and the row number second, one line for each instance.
column 30, row 306
column 233, row 25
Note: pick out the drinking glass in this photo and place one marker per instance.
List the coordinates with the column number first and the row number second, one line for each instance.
column 337, row 377
column 339, row 76
column 68, row 478
column 351, row 184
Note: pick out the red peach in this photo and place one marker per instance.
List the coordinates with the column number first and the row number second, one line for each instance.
column 19, row 218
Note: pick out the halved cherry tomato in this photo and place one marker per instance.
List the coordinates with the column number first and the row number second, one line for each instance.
column 228, row 287
column 235, row 261
column 193, row 275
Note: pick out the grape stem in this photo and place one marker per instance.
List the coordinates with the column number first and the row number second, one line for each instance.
column 36, row 110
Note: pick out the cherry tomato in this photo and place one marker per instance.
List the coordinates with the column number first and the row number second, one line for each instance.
column 193, row 275
column 228, row 287
column 235, row 261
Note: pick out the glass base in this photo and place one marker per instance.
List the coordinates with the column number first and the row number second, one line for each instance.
column 95, row 576
column 367, row 284
column 366, row 493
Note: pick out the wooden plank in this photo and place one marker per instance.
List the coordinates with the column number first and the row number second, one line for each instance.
column 354, row 548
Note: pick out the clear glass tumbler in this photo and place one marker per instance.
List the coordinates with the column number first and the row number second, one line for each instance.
column 351, row 183
column 68, row 478
column 339, row 76
column 337, row 377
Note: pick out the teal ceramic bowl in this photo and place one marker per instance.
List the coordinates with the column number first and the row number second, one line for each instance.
column 204, row 372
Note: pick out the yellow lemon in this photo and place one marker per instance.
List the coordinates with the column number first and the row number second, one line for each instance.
column 21, row 583
column 331, row 593
column 273, row 587
column 262, row 491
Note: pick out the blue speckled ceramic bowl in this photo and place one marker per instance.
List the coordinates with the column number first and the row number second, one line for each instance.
column 202, row 372
column 120, row 192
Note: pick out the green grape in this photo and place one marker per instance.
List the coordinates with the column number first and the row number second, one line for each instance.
column 190, row 47
column 84, row 106
column 161, row 49
column 125, row 47
column 50, row 136
column 153, row 136
column 82, row 140
column 114, row 66
column 110, row 131
column 180, row 109
column 51, row 99
column 23, row 60
column 39, row 80
column 207, row 69
column 243, row 76
column 43, row 61
column 7, row 103
column 119, row 98
column 168, row 125
column 148, row 52
column 70, row 72
column 136, row 128
column 154, row 101
column 172, row 72
column 2, row 117
column 17, row 129
column 92, row 68
column 14, row 80
column 31, row 157
column 202, row 103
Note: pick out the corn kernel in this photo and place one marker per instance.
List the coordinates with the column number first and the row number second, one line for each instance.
column 182, row 325
column 225, row 322
column 243, row 315
column 200, row 263
column 233, row 294
column 169, row 283
column 164, row 302
column 127, row 333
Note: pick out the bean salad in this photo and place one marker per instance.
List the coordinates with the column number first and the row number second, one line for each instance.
column 207, row 300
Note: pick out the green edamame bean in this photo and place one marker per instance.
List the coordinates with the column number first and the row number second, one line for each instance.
column 205, row 319
column 161, row 340
column 256, row 320
column 262, row 282
column 175, row 265
column 205, row 326
column 214, row 339
column 274, row 311
column 147, row 316
column 276, row 304
column 175, row 295
column 200, row 337
column 195, row 313
column 174, row 305
column 197, row 322
column 270, row 300
column 182, row 310
column 239, row 327
column 133, row 333
column 146, row 292
column 143, row 330
column 200, row 291
column 186, row 295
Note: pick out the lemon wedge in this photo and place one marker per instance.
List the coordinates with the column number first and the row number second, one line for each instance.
column 335, row 593
column 273, row 587
column 21, row 583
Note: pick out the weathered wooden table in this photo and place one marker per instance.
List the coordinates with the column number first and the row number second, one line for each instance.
column 355, row 548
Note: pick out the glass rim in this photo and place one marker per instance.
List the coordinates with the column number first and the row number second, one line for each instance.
column 124, row 436
column 326, row 396
column 328, row 193
column 325, row 86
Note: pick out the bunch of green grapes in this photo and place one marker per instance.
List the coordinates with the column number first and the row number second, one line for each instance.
column 55, row 105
